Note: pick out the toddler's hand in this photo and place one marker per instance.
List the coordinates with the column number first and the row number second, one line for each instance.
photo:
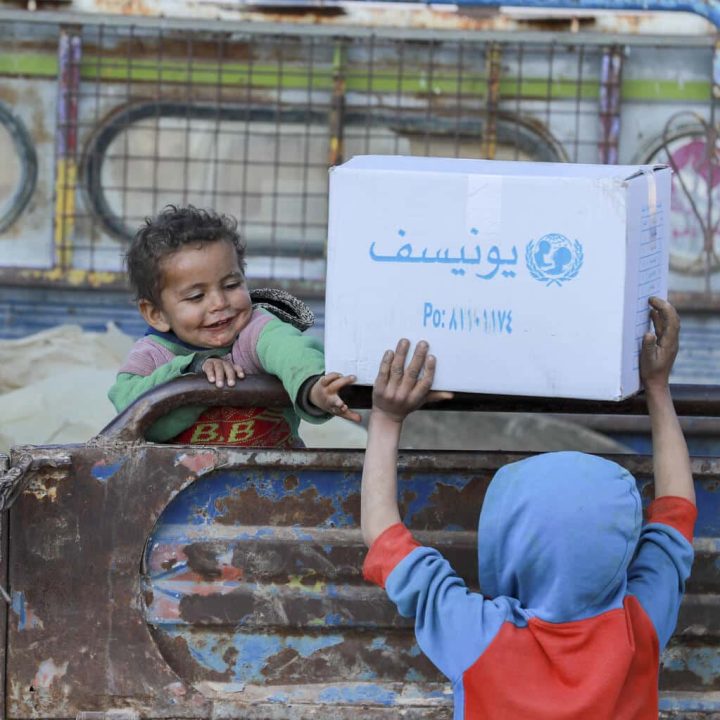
column 659, row 349
column 220, row 371
column 324, row 395
column 399, row 390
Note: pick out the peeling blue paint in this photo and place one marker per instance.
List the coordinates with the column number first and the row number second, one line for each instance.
column 335, row 619
column 414, row 650
column 376, row 694
column 27, row 620
column 413, row 676
column 203, row 502
column 253, row 650
column 280, row 698
column 705, row 663
column 708, row 505
column 18, row 607
column 206, row 657
column 103, row 471
column 423, row 487
column 201, row 514
column 693, row 703
column 702, row 662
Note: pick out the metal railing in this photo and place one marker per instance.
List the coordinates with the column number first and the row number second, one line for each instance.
column 126, row 115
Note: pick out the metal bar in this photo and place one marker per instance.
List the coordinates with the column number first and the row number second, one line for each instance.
column 69, row 54
column 519, row 94
column 165, row 24
column 691, row 426
column 305, row 221
column 690, row 400
column 369, row 89
column 277, row 161
column 337, row 106
column 493, row 68
column 266, row 391
column 610, row 85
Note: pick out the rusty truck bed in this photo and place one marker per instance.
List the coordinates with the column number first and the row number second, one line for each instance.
column 165, row 581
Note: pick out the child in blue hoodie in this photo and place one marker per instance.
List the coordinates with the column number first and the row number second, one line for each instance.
column 579, row 596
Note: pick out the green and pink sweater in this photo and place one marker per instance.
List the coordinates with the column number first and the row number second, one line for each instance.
column 265, row 345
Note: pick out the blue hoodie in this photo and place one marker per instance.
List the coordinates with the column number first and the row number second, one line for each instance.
column 578, row 596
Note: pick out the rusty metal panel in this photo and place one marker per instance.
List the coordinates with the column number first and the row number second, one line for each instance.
column 247, row 600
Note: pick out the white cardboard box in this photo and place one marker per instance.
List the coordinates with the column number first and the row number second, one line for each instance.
column 525, row 278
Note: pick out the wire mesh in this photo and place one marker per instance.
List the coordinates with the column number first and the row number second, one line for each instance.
column 126, row 119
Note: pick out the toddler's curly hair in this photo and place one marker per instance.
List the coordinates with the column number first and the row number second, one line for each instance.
column 171, row 230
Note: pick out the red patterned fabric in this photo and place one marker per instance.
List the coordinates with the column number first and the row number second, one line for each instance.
column 244, row 427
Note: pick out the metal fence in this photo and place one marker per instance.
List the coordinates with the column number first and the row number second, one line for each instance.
column 105, row 121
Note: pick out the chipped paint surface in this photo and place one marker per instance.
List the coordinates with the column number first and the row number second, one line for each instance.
column 105, row 470
column 237, row 554
column 199, row 463
column 48, row 673
column 250, row 594
column 26, row 618
column 227, row 563
column 41, row 490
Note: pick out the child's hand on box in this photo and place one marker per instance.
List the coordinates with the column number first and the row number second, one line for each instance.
column 324, row 394
column 399, row 390
column 659, row 349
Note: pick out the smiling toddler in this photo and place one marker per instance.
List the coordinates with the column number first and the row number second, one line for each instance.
column 187, row 268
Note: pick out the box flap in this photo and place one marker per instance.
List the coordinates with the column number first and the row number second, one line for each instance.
column 642, row 169
column 504, row 168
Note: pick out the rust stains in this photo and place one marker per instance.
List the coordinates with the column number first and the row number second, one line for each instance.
column 202, row 559
column 176, row 652
column 351, row 506
column 249, row 507
column 449, row 503
column 43, row 488
column 357, row 657
column 169, row 564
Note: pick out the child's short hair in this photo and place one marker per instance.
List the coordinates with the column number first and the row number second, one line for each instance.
column 173, row 229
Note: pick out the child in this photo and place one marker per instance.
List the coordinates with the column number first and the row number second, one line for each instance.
column 187, row 267
column 579, row 598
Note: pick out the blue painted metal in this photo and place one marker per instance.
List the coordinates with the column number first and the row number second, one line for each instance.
column 262, row 604
column 250, row 600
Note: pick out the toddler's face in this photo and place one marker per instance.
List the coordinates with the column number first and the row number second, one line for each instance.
column 204, row 299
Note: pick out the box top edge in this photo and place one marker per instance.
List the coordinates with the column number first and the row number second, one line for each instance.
column 500, row 168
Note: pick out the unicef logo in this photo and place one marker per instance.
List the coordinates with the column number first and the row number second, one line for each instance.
column 553, row 259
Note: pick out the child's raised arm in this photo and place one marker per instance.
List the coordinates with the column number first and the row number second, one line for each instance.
column 397, row 392
column 670, row 453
